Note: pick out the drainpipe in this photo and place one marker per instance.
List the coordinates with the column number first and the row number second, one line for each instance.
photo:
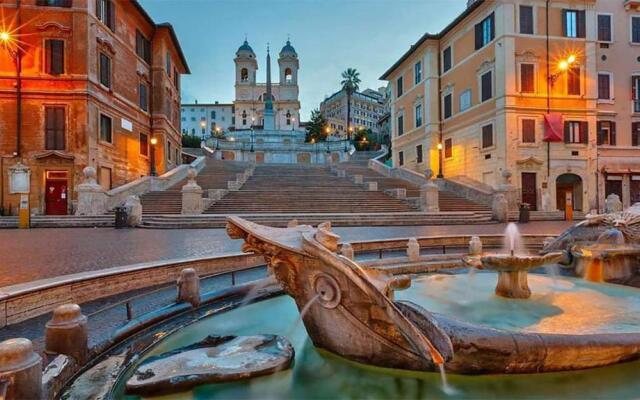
column 548, row 93
column 18, row 61
column 440, row 122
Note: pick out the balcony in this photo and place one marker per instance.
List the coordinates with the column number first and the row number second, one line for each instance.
column 632, row 5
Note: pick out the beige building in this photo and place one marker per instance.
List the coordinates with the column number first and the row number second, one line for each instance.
column 545, row 90
column 367, row 107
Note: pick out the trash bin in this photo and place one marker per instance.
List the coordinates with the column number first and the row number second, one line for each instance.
column 121, row 217
column 524, row 213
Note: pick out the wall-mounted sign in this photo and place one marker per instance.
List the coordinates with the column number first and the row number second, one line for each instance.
column 126, row 124
column 19, row 179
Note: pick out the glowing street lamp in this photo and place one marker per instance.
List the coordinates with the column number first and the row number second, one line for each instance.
column 440, row 175
column 152, row 156
column 563, row 66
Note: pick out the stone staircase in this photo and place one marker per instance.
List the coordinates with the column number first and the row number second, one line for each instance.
column 448, row 201
column 285, row 188
column 214, row 175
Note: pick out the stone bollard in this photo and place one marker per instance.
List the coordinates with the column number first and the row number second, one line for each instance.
column 475, row 246
column 371, row 186
column 358, row 179
column 66, row 333
column 292, row 224
column 342, row 173
column 92, row 198
column 500, row 208
column 134, row 211
column 347, row 251
column 22, row 367
column 429, row 195
column 612, row 204
column 189, row 287
column 192, row 195
column 413, row 249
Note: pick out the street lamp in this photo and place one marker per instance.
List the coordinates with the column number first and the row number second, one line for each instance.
column 293, row 123
column 440, row 175
column 252, row 133
column 203, row 125
column 152, row 158
column 8, row 42
column 563, row 66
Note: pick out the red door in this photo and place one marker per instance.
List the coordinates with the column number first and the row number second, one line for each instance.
column 529, row 190
column 56, row 197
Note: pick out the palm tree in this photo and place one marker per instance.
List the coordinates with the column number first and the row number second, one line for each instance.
column 350, row 84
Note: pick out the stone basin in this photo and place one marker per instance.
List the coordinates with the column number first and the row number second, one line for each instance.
column 215, row 359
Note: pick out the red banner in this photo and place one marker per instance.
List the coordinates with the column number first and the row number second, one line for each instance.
column 553, row 128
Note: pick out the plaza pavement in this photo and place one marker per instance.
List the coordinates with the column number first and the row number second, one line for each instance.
column 28, row 255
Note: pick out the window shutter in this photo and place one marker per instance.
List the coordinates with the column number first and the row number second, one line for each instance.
column 99, row 9
column 600, row 133
column 582, row 22
column 584, row 132
column 49, row 128
column 59, row 128
column 613, row 134
column 634, row 87
column 492, row 18
column 57, row 57
column 111, row 15
column 47, row 56
column 478, row 36
column 566, row 132
column 634, row 133
column 564, row 23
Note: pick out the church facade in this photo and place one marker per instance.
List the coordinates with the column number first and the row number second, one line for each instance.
column 251, row 97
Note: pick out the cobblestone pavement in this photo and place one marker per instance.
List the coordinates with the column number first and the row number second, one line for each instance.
column 28, row 255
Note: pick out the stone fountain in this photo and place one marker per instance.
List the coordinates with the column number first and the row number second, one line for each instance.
column 351, row 311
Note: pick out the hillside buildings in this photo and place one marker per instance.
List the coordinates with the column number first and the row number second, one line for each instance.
column 84, row 83
column 547, row 90
column 204, row 120
column 367, row 107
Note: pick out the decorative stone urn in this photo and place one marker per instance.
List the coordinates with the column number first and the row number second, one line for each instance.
column 192, row 194
column 92, row 198
column 500, row 208
column 612, row 204
column 429, row 197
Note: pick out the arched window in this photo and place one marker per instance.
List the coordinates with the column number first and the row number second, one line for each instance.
column 288, row 118
column 244, row 117
column 288, row 75
column 244, row 75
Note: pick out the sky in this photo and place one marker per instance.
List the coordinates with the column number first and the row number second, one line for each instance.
column 329, row 36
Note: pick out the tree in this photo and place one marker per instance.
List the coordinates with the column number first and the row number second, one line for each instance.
column 317, row 127
column 364, row 140
column 190, row 141
column 350, row 84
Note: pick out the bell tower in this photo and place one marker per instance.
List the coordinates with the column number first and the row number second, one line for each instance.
column 246, row 65
column 289, row 65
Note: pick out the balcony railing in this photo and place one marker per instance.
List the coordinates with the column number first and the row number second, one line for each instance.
column 330, row 146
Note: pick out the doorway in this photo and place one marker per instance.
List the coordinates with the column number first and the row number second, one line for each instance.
column 529, row 190
column 569, row 183
column 56, row 193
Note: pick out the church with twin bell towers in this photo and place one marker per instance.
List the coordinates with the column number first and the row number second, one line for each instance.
column 268, row 106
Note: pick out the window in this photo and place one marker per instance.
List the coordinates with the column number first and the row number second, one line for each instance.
column 168, row 63
column 604, row 28
column 401, row 158
column 169, row 150
column 417, row 72
column 448, row 148
column 105, row 70
column 526, row 20
column 528, row 131
column 486, row 86
column 418, row 115
column 399, row 87
column 176, row 78
column 635, row 29
column 143, row 47
column 574, row 23
column 573, row 81
column 635, row 134
column 465, row 100
column 244, row 75
column 54, row 128
column 400, row 125
column 604, row 86
column 143, row 96
column 487, row 136
column 288, row 75
column 213, row 114
column 448, row 111
column 419, row 153
column 635, row 85
column 446, row 59
column 485, row 31
column 288, row 118
column 576, row 132
column 54, row 56
column 54, row 3
column 527, row 78
column 144, row 144
column 606, row 133
column 106, row 134
column 106, row 12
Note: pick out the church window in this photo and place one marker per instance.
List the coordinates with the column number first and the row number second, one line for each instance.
column 288, row 75
column 244, row 75
column 288, row 118
column 244, row 117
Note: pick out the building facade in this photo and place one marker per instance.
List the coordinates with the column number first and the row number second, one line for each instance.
column 205, row 120
column 366, row 109
column 544, row 90
column 249, row 103
column 84, row 83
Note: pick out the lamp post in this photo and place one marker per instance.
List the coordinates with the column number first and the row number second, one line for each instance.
column 440, row 175
column 203, row 125
column 152, row 156
column 293, row 123
column 251, row 138
column 8, row 42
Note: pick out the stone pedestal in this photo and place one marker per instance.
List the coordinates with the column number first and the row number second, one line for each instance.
column 509, row 191
column 22, row 367
column 347, row 251
column 371, row 186
column 429, row 197
column 546, row 200
column 358, row 179
column 513, row 285
column 192, row 195
column 189, row 287
column 66, row 333
column 92, row 198
column 475, row 246
column 134, row 211
column 413, row 250
column 612, row 204
column 500, row 208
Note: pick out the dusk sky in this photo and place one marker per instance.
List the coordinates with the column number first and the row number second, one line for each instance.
column 329, row 36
